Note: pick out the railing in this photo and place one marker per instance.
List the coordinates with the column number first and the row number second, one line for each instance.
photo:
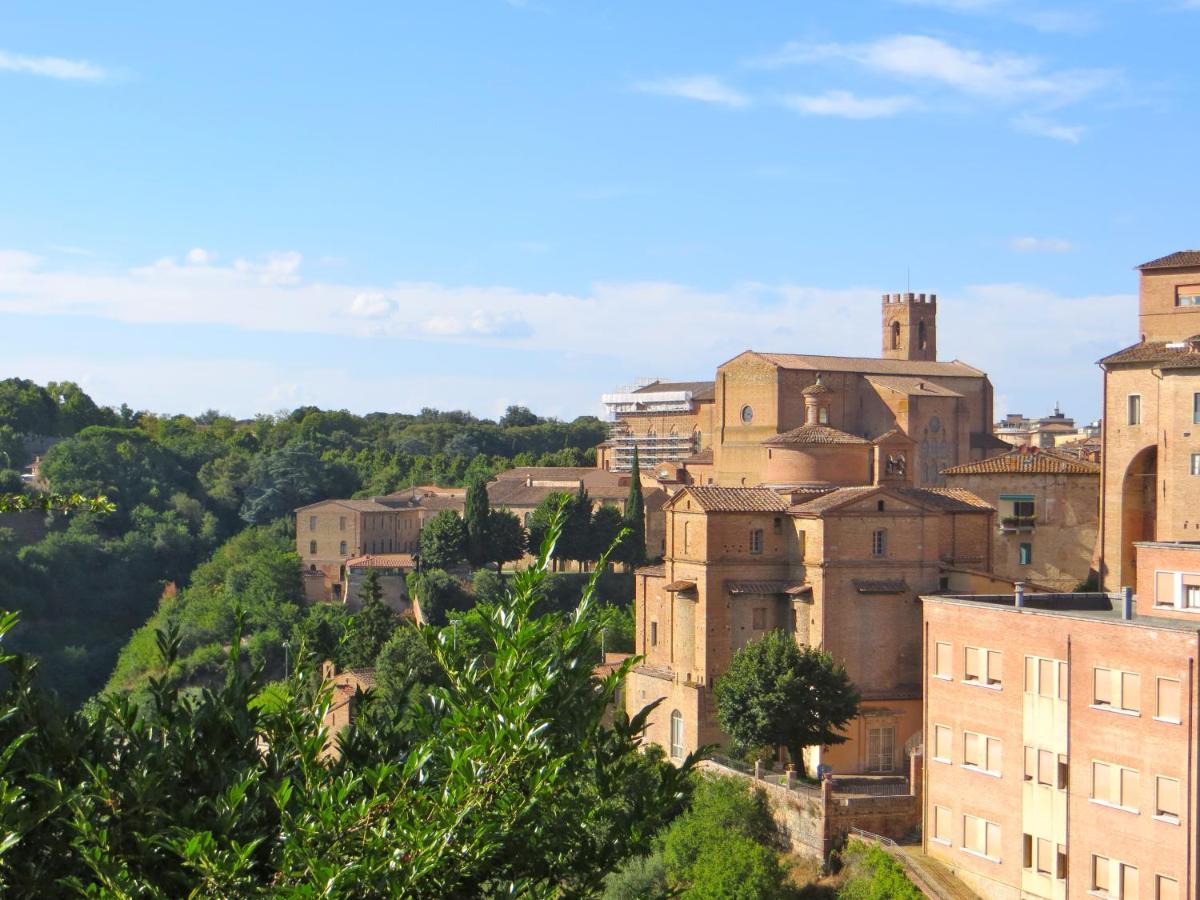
column 872, row 788
column 1018, row 523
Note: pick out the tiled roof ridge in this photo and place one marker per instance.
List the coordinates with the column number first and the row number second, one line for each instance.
column 1029, row 460
column 713, row 498
column 1178, row 259
column 814, row 434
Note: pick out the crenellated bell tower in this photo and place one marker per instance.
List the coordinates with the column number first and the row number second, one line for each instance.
column 910, row 326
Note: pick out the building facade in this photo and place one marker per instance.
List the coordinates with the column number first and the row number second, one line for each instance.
column 667, row 421
column 1047, row 514
column 1150, row 457
column 1060, row 736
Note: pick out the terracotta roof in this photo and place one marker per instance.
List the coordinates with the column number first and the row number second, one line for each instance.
column 947, row 499
column 816, row 389
column 1163, row 354
column 381, row 561
column 834, row 499
column 512, row 492
column 612, row 662
column 365, row 677
column 894, row 432
column 676, row 586
column 756, row 587
column 730, row 499
column 550, row 473
column 880, row 585
column 703, row 458
column 911, row 386
column 813, row 434
column 1031, row 460
column 865, row 365
column 658, row 571
column 696, row 388
column 1178, row 259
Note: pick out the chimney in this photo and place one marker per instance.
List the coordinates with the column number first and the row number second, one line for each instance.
column 1127, row 603
column 1019, row 594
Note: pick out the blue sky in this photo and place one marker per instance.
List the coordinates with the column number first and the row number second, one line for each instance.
column 389, row 206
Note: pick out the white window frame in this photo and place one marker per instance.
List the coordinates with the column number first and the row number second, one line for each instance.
column 676, row 734
column 1133, row 409
column 879, row 542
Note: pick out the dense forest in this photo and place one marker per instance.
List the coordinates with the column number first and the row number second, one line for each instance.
column 202, row 523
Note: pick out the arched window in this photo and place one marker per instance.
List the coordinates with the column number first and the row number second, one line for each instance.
column 921, row 335
column 879, row 542
column 696, row 441
column 895, row 335
column 676, row 735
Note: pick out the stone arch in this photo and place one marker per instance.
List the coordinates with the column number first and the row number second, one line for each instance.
column 895, row 335
column 922, row 336
column 1139, row 508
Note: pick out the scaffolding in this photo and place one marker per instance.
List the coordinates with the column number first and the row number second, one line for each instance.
column 652, row 448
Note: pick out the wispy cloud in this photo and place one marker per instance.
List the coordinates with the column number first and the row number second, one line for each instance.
column 1041, row 245
column 846, row 105
column 1043, row 127
column 52, row 67
column 1033, row 14
column 919, row 58
column 703, row 88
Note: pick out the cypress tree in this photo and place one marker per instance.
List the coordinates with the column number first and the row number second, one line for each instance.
column 475, row 513
column 635, row 517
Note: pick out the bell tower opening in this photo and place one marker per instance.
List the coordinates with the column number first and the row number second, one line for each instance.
column 910, row 326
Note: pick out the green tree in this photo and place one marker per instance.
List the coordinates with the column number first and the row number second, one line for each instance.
column 371, row 627
column 444, row 541
column 476, row 512
column 406, row 667
column 633, row 548
column 736, row 868
column 778, row 693
column 505, row 538
column 606, row 526
column 438, row 595
column 286, row 479
column 27, row 407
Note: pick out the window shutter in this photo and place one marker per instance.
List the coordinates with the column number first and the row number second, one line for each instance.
column 1101, row 785
column 1045, row 856
column 1131, row 783
column 1030, row 675
column 1102, row 691
column 941, row 823
column 992, row 847
column 944, row 660
column 1030, row 764
column 1167, row 791
column 1131, row 691
column 942, row 742
column 1046, row 677
column 1168, row 699
column 1046, row 767
column 1100, row 873
column 993, row 667
column 972, row 755
column 1168, row 888
column 1129, row 881
column 972, row 664
column 993, row 755
column 1063, row 681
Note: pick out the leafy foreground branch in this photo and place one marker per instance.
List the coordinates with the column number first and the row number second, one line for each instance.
column 505, row 781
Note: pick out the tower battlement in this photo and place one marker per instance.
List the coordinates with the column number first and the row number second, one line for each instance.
column 910, row 326
column 930, row 299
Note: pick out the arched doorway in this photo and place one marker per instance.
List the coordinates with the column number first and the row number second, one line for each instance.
column 1139, row 509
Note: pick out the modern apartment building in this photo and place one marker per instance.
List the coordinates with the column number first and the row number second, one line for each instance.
column 1060, row 736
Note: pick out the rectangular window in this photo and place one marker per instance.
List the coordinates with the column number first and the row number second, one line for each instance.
column 312, row 523
column 993, row 755
column 1196, row 409
column 1135, row 409
column 756, row 541
column 760, row 618
column 981, row 666
column 1102, row 694
column 1187, row 298
column 1129, row 882
column 1166, row 705
column 1030, row 763
column 312, row 548
column 881, row 749
column 941, row 824
column 676, row 735
column 881, row 743
column 1062, row 680
column 653, row 634
column 973, row 749
column 1101, row 875
column 1045, row 857
column 981, row 836
column 1025, row 554
column 1191, row 596
column 942, row 743
column 1166, row 888
column 341, row 523
column 943, row 660
column 1166, row 798
column 1045, row 678
column 1117, row 690
column 342, row 549
column 1115, row 785
column 1131, row 690
column 1047, row 768
column 879, row 542
column 1195, row 464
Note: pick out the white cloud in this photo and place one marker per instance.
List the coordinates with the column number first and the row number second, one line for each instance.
column 370, row 305
column 848, row 106
column 198, row 256
column 52, row 67
column 1034, row 15
column 704, row 88
column 1036, row 337
column 918, row 58
column 1043, row 127
column 1041, row 245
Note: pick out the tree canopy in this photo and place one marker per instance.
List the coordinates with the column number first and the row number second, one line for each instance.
column 778, row 693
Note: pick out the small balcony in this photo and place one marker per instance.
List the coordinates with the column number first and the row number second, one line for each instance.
column 1014, row 524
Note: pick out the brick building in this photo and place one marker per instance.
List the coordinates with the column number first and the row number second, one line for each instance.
column 668, row 421
column 1060, row 736
column 1047, row 510
column 1150, row 481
